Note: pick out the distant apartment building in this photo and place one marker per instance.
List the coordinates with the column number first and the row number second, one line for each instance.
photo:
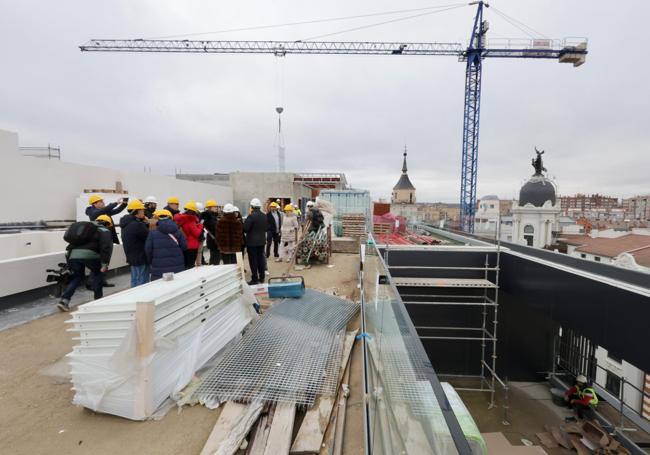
column 637, row 208
column 581, row 204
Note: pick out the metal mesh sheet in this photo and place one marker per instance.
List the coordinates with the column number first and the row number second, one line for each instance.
column 290, row 355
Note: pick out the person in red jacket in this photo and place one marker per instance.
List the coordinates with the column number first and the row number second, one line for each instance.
column 581, row 397
column 191, row 225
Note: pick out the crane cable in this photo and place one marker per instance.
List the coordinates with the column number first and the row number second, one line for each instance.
column 519, row 25
column 384, row 22
column 306, row 22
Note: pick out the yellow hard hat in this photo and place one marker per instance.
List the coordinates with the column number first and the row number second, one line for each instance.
column 105, row 219
column 288, row 208
column 191, row 205
column 135, row 204
column 94, row 198
column 275, row 204
column 173, row 200
column 161, row 213
column 210, row 203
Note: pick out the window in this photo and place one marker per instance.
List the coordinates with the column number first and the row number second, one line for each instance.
column 597, row 258
column 528, row 229
column 491, row 206
column 613, row 384
column 583, row 256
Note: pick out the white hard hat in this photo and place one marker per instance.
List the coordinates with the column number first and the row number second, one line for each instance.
column 151, row 199
column 255, row 202
column 199, row 206
column 310, row 203
column 236, row 209
column 581, row 378
column 228, row 208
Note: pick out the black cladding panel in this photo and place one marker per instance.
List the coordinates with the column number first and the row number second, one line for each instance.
column 535, row 299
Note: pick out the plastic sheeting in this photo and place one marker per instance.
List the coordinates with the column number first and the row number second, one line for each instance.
column 116, row 380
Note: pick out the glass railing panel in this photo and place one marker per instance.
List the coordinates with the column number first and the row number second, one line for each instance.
column 404, row 413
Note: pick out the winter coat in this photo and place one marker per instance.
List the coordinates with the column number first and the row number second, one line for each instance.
column 134, row 236
column 191, row 227
column 101, row 247
column 289, row 228
column 270, row 222
column 109, row 209
column 210, row 220
column 164, row 248
column 255, row 228
column 230, row 234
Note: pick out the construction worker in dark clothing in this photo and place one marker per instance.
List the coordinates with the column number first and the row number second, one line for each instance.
column 314, row 217
column 210, row 217
column 581, row 397
column 94, row 253
column 273, row 229
column 255, row 230
column 150, row 205
column 173, row 205
column 96, row 207
column 135, row 229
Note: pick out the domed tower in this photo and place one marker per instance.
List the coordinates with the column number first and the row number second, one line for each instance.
column 403, row 191
column 535, row 215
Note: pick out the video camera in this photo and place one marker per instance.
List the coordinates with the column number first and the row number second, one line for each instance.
column 60, row 277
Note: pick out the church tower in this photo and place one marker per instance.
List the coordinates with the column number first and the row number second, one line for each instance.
column 403, row 191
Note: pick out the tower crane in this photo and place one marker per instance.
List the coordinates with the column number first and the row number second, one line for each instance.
column 568, row 50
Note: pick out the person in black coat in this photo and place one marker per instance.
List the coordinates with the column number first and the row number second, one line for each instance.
column 165, row 246
column 97, row 207
column 210, row 219
column 273, row 227
column 135, row 231
column 255, row 230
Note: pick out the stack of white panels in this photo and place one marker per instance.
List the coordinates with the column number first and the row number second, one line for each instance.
column 140, row 346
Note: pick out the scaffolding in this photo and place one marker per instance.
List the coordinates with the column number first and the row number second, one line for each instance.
column 481, row 291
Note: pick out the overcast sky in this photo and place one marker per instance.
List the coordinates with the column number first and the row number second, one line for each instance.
column 352, row 114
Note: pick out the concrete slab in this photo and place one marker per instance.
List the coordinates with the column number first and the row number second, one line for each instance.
column 38, row 308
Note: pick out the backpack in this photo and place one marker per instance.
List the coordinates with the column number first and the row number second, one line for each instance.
column 80, row 232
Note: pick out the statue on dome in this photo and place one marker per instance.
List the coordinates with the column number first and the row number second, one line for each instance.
column 537, row 163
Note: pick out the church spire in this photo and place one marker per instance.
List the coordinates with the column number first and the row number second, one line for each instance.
column 404, row 169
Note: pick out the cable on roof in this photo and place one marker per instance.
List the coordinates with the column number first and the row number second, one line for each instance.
column 311, row 21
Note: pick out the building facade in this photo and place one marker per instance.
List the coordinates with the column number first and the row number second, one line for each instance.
column 587, row 203
column 637, row 208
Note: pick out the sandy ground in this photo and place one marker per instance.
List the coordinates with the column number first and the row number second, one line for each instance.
column 37, row 417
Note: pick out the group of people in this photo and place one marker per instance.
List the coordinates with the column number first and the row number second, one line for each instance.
column 158, row 241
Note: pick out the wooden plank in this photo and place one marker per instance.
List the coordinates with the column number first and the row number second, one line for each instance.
column 311, row 432
column 547, row 440
column 144, row 331
column 239, row 256
column 258, row 440
column 344, row 393
column 233, row 424
column 279, row 440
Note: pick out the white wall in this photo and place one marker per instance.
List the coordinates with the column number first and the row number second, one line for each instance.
column 632, row 375
column 47, row 189
column 26, row 256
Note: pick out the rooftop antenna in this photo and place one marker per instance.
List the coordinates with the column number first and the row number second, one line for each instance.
column 281, row 160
